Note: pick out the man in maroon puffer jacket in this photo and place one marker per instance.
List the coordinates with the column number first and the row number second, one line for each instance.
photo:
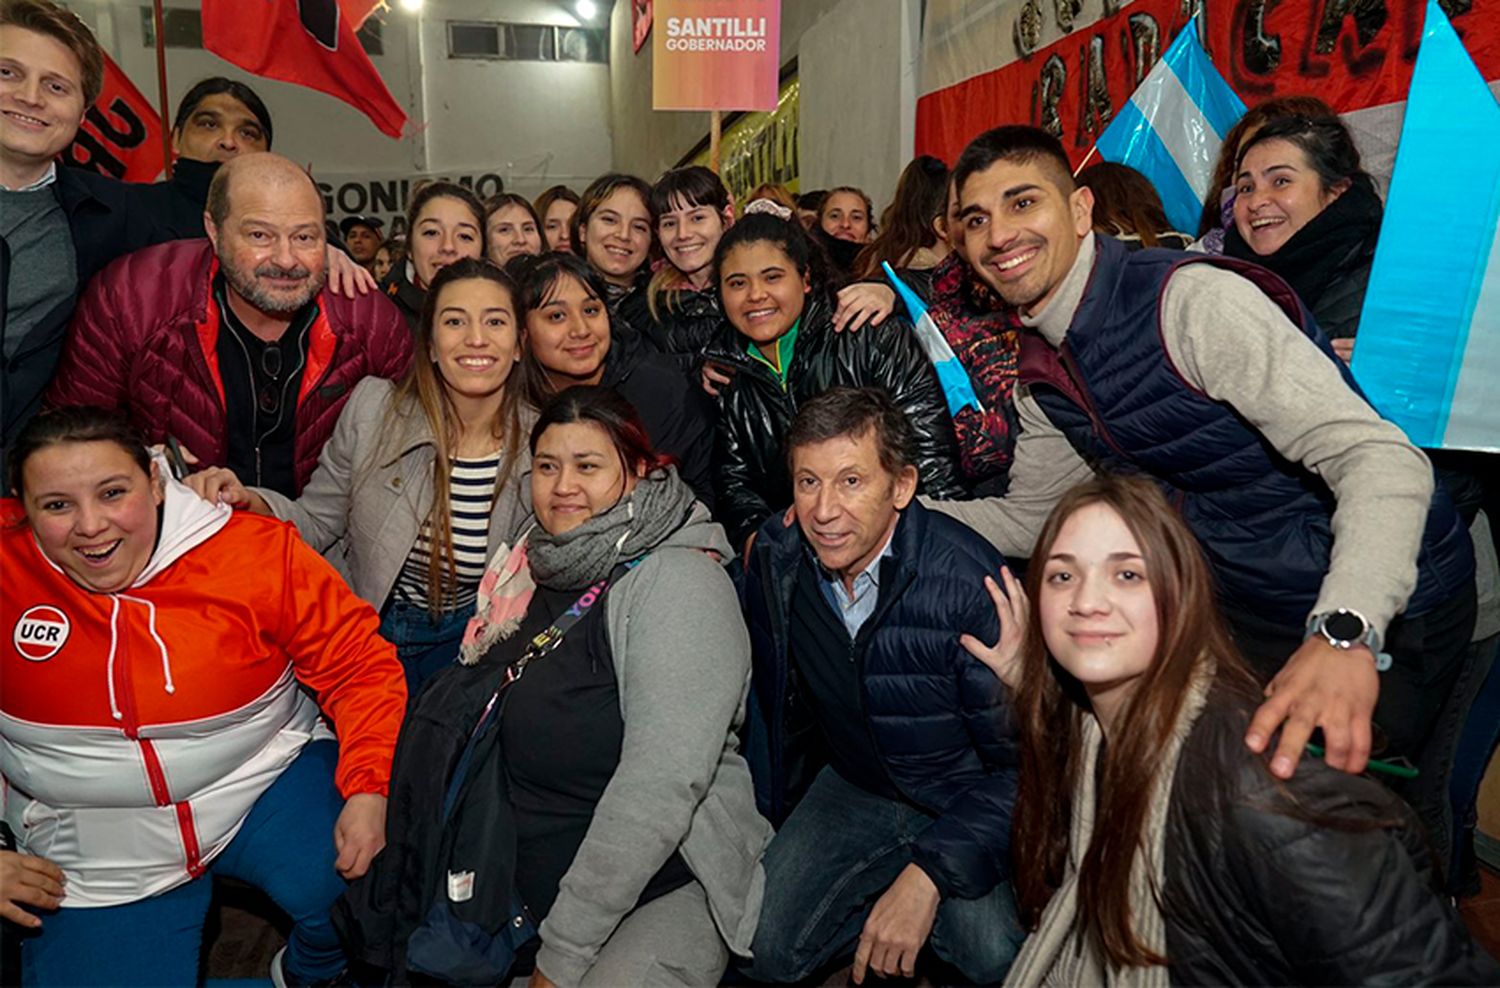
column 230, row 344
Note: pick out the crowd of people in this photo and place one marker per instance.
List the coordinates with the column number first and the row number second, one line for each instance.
column 636, row 603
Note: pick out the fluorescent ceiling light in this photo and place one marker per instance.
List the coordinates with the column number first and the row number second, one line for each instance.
column 586, row 9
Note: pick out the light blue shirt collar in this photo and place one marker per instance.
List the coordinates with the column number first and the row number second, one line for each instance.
column 855, row 608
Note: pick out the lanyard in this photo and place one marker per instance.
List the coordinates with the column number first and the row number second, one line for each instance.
column 548, row 640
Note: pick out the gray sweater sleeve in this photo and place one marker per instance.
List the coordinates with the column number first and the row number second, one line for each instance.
column 1234, row 344
column 683, row 672
column 1044, row 467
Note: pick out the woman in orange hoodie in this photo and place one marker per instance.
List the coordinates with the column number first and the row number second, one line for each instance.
column 156, row 722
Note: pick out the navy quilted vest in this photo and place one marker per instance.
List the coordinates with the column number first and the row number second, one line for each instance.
column 1262, row 520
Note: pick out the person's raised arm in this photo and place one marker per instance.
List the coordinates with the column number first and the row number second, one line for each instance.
column 1045, row 466
column 1229, row 340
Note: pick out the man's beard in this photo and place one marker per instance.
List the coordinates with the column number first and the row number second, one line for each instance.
column 248, row 288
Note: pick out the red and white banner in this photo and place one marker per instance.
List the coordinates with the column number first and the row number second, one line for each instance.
column 1067, row 65
column 121, row 132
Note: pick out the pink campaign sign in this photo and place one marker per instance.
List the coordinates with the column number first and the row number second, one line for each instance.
column 716, row 54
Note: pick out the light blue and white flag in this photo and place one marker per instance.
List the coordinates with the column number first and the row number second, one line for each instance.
column 1428, row 351
column 957, row 388
column 1171, row 127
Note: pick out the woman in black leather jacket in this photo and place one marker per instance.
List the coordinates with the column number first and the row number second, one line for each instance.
column 781, row 344
column 1133, row 706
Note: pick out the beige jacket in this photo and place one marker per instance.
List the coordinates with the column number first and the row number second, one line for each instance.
column 366, row 501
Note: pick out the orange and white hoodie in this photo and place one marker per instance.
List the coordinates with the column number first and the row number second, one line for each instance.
column 138, row 728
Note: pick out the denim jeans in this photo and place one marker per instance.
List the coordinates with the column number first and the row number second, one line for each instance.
column 425, row 646
column 1476, row 745
column 832, row 859
column 285, row 848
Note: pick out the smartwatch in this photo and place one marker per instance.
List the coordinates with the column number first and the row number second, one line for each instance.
column 1346, row 628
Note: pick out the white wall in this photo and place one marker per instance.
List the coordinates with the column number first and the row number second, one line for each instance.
column 530, row 123
column 858, row 96
column 534, row 123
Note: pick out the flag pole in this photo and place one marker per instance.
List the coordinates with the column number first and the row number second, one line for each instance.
column 715, row 137
column 1086, row 159
column 161, row 86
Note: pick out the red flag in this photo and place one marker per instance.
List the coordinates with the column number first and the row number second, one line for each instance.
column 307, row 42
column 121, row 132
column 358, row 11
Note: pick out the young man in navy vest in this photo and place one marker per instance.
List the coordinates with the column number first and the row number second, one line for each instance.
column 1333, row 556
column 882, row 751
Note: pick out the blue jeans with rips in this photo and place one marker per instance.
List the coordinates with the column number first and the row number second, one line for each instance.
column 836, row 854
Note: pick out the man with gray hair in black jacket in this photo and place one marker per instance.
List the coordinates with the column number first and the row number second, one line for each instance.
column 883, row 752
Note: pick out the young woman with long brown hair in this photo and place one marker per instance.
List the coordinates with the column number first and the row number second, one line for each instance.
column 572, row 338
column 422, row 479
column 914, row 227
column 615, row 230
column 1133, row 706
column 511, row 228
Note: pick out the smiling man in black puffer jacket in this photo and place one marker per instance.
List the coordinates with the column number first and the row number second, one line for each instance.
column 903, row 837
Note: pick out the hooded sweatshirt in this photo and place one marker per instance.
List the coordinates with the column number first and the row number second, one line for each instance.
column 138, row 728
column 682, row 658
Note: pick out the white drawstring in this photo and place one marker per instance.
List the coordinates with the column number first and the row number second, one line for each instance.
column 166, row 663
column 109, row 669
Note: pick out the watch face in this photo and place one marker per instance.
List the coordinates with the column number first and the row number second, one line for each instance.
column 1344, row 627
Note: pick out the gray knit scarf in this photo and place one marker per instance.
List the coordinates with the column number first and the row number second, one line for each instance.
column 1057, row 954
column 636, row 524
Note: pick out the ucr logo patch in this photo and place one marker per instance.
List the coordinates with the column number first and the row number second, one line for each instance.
column 41, row 633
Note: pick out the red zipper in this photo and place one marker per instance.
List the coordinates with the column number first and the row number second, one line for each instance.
column 156, row 776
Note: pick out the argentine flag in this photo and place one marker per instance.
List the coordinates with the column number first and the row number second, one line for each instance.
column 1428, row 350
column 1171, row 127
column 957, row 388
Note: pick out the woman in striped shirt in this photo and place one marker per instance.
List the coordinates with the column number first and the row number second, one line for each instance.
column 421, row 480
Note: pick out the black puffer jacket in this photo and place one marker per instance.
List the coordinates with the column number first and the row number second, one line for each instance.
column 755, row 412
column 940, row 721
column 629, row 317
column 678, row 415
column 686, row 321
column 404, row 292
column 1257, row 894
